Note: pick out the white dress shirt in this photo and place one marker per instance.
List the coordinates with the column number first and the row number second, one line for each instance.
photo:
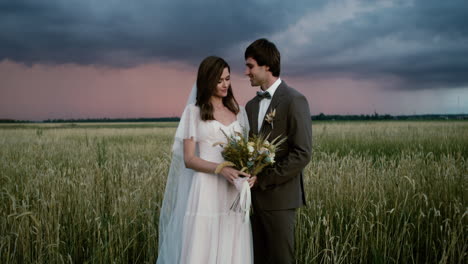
column 265, row 103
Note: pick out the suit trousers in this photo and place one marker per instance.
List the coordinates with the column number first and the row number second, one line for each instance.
column 273, row 236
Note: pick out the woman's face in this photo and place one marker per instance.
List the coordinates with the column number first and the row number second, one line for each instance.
column 223, row 84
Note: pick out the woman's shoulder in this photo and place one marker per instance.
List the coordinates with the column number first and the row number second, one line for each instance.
column 191, row 111
column 241, row 109
column 242, row 115
column 191, row 107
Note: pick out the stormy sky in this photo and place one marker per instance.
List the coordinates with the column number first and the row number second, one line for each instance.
column 399, row 57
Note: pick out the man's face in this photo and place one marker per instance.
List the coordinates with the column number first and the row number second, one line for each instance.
column 257, row 74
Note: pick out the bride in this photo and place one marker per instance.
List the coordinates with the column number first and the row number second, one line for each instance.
column 196, row 224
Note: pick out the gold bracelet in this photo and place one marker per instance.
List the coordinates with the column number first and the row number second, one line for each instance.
column 222, row 165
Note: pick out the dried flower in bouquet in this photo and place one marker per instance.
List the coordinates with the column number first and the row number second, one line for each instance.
column 250, row 155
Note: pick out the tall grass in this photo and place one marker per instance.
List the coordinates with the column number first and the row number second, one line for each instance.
column 81, row 195
column 378, row 192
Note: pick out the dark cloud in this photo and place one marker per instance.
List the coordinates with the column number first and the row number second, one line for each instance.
column 422, row 43
column 122, row 33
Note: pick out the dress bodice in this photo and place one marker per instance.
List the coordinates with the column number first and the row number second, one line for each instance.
column 211, row 132
column 207, row 133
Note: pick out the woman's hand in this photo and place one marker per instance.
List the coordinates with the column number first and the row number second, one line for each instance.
column 230, row 174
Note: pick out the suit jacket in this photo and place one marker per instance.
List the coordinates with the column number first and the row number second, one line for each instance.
column 282, row 186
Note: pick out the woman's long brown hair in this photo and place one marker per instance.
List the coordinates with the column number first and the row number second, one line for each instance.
column 209, row 73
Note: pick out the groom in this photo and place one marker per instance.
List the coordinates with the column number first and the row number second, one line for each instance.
column 278, row 110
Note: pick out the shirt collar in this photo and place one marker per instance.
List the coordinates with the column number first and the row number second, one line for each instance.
column 273, row 87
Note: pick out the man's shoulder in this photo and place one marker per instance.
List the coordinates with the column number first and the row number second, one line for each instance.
column 291, row 92
column 249, row 104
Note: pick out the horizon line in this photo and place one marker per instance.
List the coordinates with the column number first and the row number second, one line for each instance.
column 178, row 117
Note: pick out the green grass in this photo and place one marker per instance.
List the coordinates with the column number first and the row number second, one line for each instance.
column 378, row 192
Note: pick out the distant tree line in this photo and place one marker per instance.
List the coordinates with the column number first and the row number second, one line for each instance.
column 103, row 120
column 14, row 121
column 376, row 116
column 319, row 117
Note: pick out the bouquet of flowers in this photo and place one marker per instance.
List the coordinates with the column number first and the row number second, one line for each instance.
column 250, row 155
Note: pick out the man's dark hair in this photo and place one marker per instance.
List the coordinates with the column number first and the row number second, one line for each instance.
column 265, row 53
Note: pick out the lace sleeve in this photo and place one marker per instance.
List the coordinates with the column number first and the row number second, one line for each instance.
column 188, row 125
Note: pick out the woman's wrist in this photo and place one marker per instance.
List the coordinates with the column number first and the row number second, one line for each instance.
column 220, row 166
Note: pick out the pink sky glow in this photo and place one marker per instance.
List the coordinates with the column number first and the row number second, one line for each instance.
column 69, row 91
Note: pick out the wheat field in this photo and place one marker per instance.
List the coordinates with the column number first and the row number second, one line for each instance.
column 378, row 192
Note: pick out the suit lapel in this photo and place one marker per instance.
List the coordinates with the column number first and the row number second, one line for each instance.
column 254, row 115
column 277, row 96
column 266, row 127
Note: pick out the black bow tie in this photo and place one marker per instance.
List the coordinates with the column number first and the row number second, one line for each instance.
column 263, row 95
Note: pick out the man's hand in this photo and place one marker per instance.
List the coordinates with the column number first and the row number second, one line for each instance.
column 252, row 180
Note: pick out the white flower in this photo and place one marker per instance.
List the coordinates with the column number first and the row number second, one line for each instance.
column 250, row 148
column 263, row 151
column 270, row 117
column 237, row 138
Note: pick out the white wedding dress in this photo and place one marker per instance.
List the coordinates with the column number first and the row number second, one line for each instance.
column 210, row 232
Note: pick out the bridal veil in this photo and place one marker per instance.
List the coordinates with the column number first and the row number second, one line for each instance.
column 177, row 190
